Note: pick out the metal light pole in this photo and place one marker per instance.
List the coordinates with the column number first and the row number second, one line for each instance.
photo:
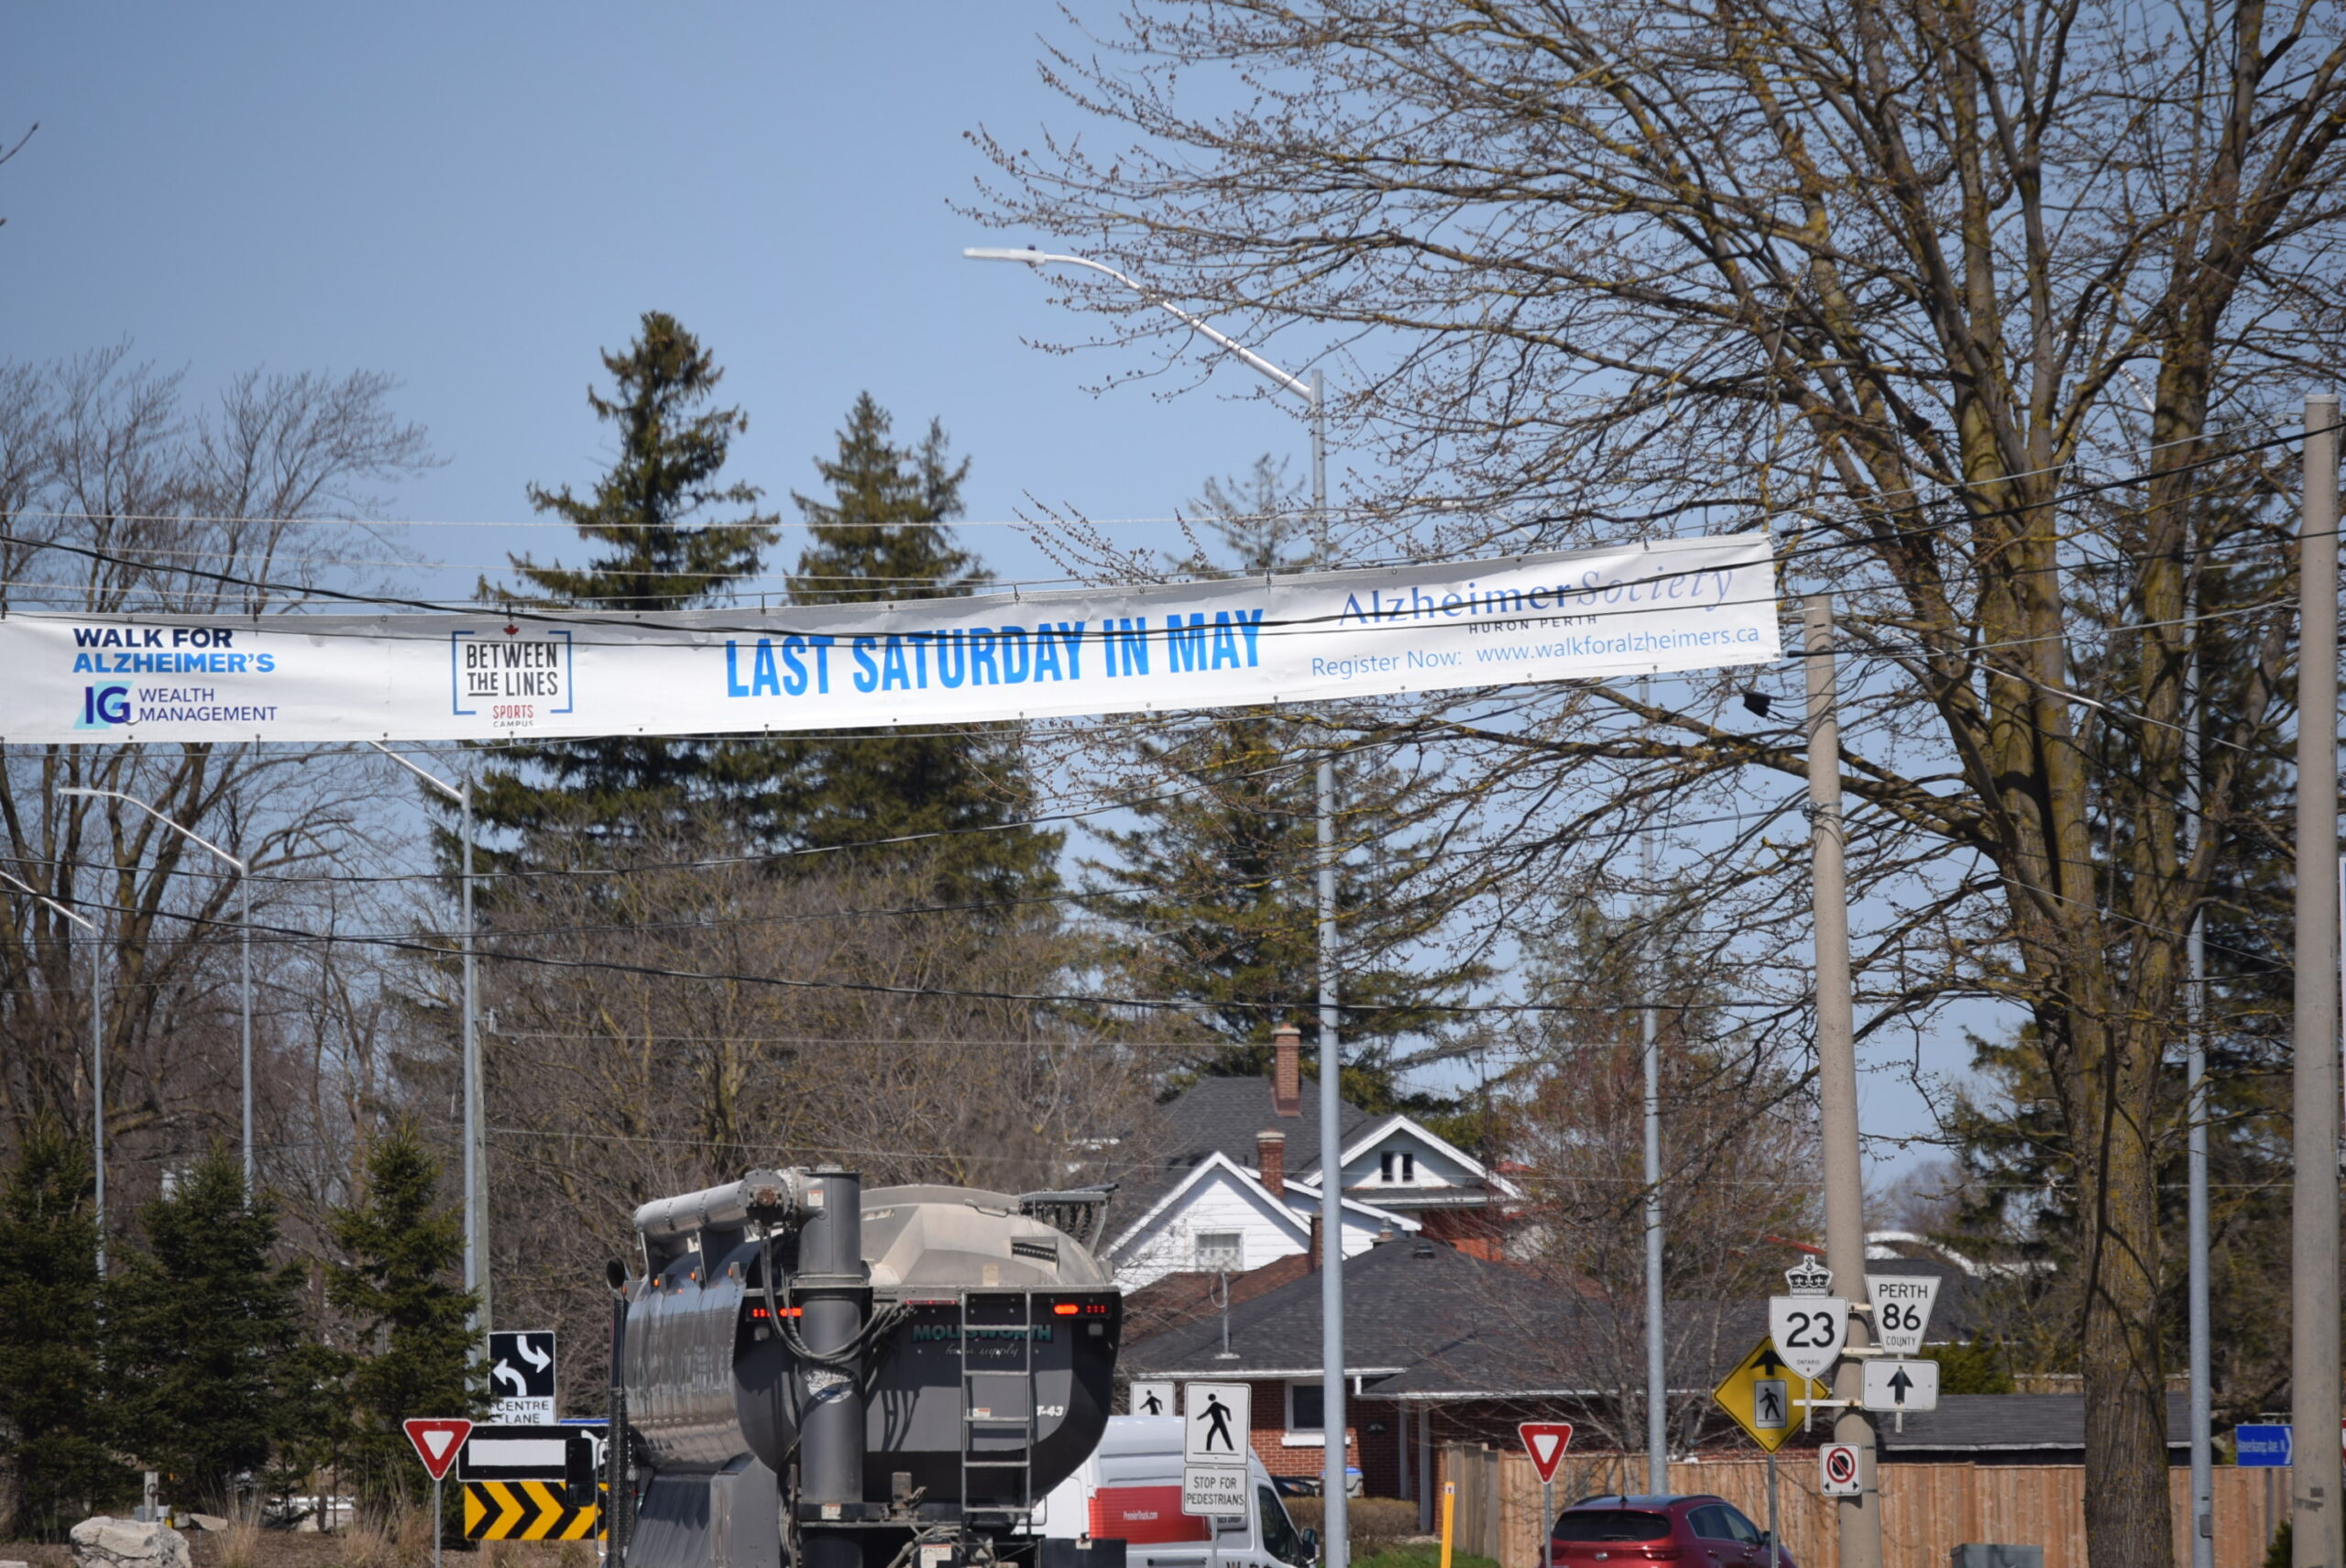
column 98, row 1055
column 244, row 903
column 1657, row 1368
column 1334, row 1541
column 2203, row 1479
column 475, row 1111
column 2313, row 1209
column 1859, row 1517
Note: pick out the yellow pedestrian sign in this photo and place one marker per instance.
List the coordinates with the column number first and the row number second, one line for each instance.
column 1762, row 1395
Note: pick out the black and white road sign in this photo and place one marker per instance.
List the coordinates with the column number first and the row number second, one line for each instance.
column 1215, row 1421
column 1901, row 1310
column 521, row 1376
column 1150, row 1400
column 1903, row 1385
column 1808, row 1331
column 1837, row 1463
column 533, row 1453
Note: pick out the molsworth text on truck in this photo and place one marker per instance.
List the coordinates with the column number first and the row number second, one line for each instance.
column 1674, row 605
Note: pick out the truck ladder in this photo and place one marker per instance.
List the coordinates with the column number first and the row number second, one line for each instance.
column 988, row 1389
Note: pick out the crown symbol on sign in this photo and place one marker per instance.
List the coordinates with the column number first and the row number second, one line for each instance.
column 1809, row 1278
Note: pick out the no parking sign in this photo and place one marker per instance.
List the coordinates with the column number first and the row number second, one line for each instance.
column 1838, row 1462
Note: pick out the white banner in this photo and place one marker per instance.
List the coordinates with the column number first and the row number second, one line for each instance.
column 1693, row 604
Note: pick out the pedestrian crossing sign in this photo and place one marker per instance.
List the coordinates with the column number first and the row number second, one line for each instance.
column 1764, row 1396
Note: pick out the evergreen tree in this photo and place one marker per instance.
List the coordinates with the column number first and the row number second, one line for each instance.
column 659, row 553
column 883, row 534
column 403, row 1248
column 204, row 1328
column 1220, row 880
column 58, row 1467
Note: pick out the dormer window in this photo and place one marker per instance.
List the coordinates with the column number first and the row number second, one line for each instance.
column 1404, row 1161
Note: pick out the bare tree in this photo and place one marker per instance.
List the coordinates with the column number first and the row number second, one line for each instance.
column 117, row 498
column 1882, row 275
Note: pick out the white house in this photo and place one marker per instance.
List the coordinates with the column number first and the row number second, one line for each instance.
column 1239, row 1187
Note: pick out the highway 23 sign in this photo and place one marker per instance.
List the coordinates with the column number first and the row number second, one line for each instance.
column 1808, row 1331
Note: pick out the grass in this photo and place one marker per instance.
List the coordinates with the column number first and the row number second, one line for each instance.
column 1421, row 1554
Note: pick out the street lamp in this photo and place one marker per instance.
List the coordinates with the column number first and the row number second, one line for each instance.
column 475, row 1147
column 1332, row 1147
column 97, row 1053
column 245, row 896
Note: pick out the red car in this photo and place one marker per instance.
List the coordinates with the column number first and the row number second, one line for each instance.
column 1698, row 1531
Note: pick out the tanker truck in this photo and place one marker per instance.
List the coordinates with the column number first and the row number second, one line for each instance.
column 811, row 1374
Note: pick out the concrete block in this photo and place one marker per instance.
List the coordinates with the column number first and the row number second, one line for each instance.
column 107, row 1542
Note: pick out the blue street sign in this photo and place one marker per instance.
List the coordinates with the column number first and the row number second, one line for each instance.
column 2264, row 1447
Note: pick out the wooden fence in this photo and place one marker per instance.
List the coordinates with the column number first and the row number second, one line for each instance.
column 1926, row 1509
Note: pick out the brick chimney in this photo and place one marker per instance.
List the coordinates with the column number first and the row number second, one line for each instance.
column 1270, row 1159
column 1315, row 1244
column 1287, row 1070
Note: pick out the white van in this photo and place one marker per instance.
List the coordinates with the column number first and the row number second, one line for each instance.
column 1130, row 1490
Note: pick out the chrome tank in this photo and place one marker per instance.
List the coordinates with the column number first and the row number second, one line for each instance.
column 984, row 1293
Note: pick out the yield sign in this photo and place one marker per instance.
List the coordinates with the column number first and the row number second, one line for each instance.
column 437, row 1442
column 1546, row 1442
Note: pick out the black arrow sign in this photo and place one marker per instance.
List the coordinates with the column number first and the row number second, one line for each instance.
column 1768, row 1362
column 1898, row 1384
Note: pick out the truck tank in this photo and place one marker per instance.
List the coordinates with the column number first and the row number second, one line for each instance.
column 814, row 1373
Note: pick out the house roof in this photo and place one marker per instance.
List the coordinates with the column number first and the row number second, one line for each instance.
column 1221, row 1115
column 1403, row 1299
column 1561, row 1346
column 2011, row 1423
column 1225, row 1114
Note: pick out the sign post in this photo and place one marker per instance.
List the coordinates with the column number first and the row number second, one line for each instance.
column 437, row 1442
column 1215, row 1420
column 1448, row 1512
column 1546, row 1442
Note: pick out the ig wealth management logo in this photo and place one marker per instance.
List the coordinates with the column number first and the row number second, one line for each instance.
column 103, row 707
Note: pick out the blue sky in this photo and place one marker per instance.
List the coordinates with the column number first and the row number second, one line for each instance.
column 478, row 199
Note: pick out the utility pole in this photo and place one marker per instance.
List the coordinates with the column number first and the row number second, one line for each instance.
column 2313, row 1209
column 1657, row 1368
column 1858, row 1519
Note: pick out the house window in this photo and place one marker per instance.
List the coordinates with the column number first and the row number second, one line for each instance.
column 1405, row 1161
column 1307, row 1410
column 1216, row 1250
